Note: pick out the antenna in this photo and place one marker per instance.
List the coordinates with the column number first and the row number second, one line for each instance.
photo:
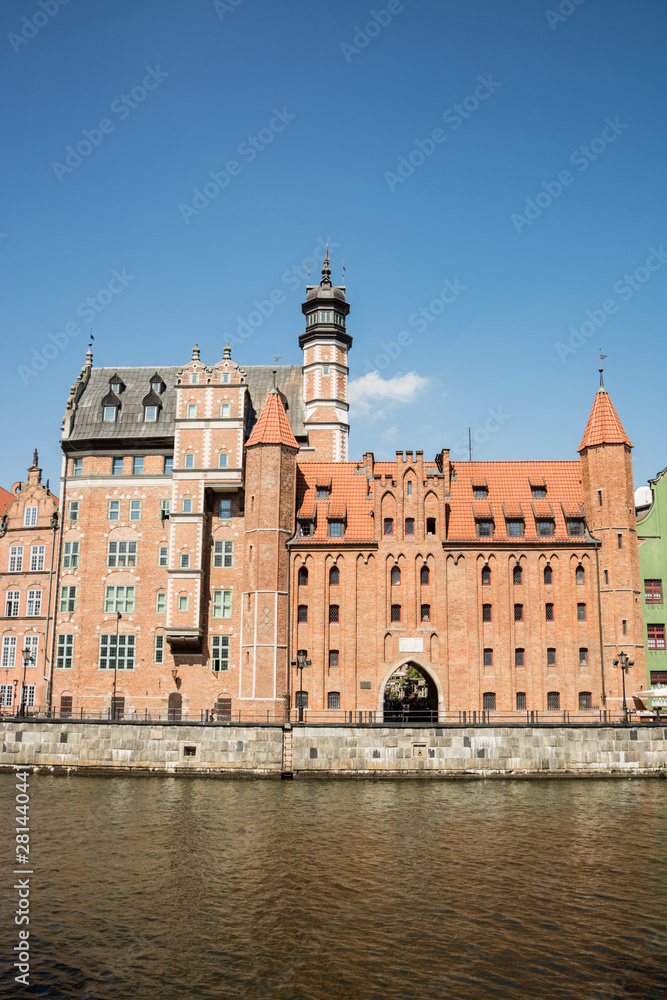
column 343, row 277
column 307, row 267
column 601, row 369
column 469, row 446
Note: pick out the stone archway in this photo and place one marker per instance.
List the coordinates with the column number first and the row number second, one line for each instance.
column 410, row 692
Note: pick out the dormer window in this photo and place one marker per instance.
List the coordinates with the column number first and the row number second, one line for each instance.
column 515, row 527
column 322, row 492
column 116, row 384
column 575, row 527
column 545, row 528
column 156, row 386
column 539, row 492
column 110, row 414
column 484, row 528
column 150, row 414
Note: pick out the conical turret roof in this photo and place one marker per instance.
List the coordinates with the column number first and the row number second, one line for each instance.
column 272, row 425
column 604, row 424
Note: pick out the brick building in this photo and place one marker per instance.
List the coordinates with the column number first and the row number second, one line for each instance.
column 28, row 557
column 213, row 526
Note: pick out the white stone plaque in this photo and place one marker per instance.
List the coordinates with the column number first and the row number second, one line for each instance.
column 411, row 645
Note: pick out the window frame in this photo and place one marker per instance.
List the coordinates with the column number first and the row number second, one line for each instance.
column 135, row 506
column 30, row 516
column 113, row 507
column 64, row 651
column 334, row 614
column 395, row 613
column 125, row 648
column 333, row 700
column 67, row 599
column 114, row 602
column 15, row 561
column 653, row 591
column 33, row 604
column 409, row 526
column 137, row 465
column 122, row 554
column 73, row 509
column 12, row 603
column 655, row 635
column 117, row 466
column 221, row 645
column 223, row 554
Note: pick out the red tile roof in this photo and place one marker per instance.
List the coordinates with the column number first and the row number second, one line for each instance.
column 604, row 425
column 6, row 499
column 272, row 425
column 348, row 497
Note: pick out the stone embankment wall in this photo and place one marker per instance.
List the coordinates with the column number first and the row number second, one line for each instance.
column 378, row 751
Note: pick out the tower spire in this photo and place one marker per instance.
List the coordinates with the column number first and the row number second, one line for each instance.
column 600, row 369
column 326, row 270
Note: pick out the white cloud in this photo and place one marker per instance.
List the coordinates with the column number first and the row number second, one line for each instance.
column 366, row 392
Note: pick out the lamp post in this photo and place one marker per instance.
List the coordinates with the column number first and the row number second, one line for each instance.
column 624, row 663
column 115, row 669
column 27, row 658
column 301, row 662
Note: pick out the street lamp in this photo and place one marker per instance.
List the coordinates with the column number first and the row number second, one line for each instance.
column 301, row 662
column 115, row 669
column 27, row 658
column 624, row 663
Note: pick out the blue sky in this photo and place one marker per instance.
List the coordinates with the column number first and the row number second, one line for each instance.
column 536, row 206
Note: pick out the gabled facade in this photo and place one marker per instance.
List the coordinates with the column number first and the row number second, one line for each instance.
column 28, row 564
column 223, row 537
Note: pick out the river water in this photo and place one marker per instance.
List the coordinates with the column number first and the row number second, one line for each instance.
column 336, row 890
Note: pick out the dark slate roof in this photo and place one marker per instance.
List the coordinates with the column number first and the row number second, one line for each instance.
column 88, row 424
column 289, row 382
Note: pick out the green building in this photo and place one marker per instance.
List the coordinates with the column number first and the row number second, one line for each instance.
column 651, row 504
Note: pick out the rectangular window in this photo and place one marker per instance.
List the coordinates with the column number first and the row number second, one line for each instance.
column 6, row 695
column 333, row 657
column 519, row 655
column 223, row 460
column 302, row 699
column 225, row 378
column 335, row 529
column 553, row 700
column 624, row 625
column 396, row 612
column 575, row 529
column 488, row 657
column 183, row 602
column 322, row 492
column 225, row 510
column 219, row 652
column 194, row 378
column 409, row 525
column 518, row 612
column 116, row 466
column 189, row 462
column 302, row 613
column 515, row 529
column 15, row 558
column 30, row 517
column 67, row 600
column 77, row 466
column 31, row 643
column 223, row 555
column 114, row 510
column 585, row 701
column 28, row 695
column 426, row 612
column 388, row 526
column 539, row 492
column 33, row 608
column 163, row 555
column 73, row 510
column 222, row 604
column 334, row 612
column 109, row 414
column 486, row 612
column 658, row 677
column 117, row 652
column 121, row 554
column 656, row 636
column 150, row 414
column 620, row 540
column 409, row 487
column 64, row 652
column 187, row 505
column 333, row 699
column 606, row 577
column 551, row 657
column 160, row 602
column 135, row 510
column 545, row 529
column 653, row 591
column 549, row 612
column 8, row 651
column 12, row 598
column 168, row 465
column 583, row 657
column 192, row 411
column 119, row 599
column 521, row 701
column 480, row 492
column 37, row 553
column 70, row 555
column 138, row 465
column 185, row 560
column 581, row 612
column 489, row 701
column 325, row 369
column 484, row 529
column 158, row 649
column 225, row 411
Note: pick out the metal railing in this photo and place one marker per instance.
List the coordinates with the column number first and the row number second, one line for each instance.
column 339, row 717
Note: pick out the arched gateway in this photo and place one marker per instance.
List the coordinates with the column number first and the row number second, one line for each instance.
column 410, row 692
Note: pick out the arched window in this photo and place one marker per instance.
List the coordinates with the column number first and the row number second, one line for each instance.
column 517, row 576
column 303, row 576
column 425, row 576
column 579, row 576
column 395, row 576
column 486, row 576
column 333, row 699
column 548, row 576
column 489, row 700
column 334, row 576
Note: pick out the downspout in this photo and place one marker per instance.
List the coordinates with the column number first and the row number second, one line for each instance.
column 597, row 565
column 48, row 678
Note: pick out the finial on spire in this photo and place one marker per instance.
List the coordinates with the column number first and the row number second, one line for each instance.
column 326, row 270
column 227, row 353
column 601, row 369
column 89, row 354
column 195, row 352
column 275, row 372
